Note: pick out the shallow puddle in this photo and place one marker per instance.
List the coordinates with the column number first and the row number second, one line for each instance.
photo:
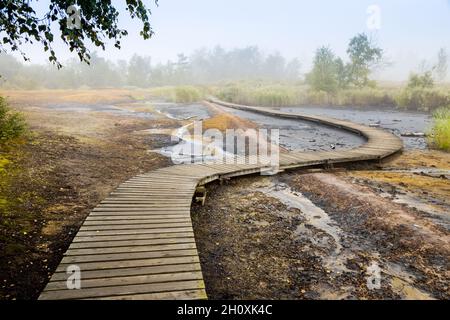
column 303, row 135
column 182, row 111
column 315, row 217
column 110, row 109
column 186, row 148
column 323, row 232
column 398, row 122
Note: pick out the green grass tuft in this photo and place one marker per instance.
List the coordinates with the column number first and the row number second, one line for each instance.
column 440, row 133
column 12, row 124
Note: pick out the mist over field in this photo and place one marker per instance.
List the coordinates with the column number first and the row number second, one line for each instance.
column 204, row 66
column 204, row 42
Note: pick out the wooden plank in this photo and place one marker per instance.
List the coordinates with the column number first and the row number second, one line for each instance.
column 170, row 217
column 130, row 263
column 173, row 295
column 128, row 256
column 142, row 203
column 100, row 243
column 103, row 222
column 138, row 213
column 113, row 238
column 155, row 209
column 121, row 290
column 134, row 193
column 129, row 248
column 134, row 231
column 138, row 227
column 114, row 207
column 130, row 280
column 122, row 272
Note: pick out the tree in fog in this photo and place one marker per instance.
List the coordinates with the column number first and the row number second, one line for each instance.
column 342, row 73
column 9, row 67
column 274, row 66
column 139, row 69
column 203, row 66
column 219, row 61
column 364, row 56
column 200, row 66
column 246, row 62
column 182, row 68
column 441, row 67
column 100, row 73
column 122, row 71
column 69, row 77
column 424, row 80
column 323, row 75
column 292, row 72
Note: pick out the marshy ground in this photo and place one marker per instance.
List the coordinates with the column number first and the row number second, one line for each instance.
column 314, row 236
column 299, row 235
column 68, row 162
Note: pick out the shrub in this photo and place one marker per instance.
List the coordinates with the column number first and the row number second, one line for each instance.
column 277, row 95
column 421, row 80
column 440, row 133
column 365, row 97
column 12, row 124
column 422, row 99
column 187, row 94
column 317, row 97
column 181, row 94
column 260, row 94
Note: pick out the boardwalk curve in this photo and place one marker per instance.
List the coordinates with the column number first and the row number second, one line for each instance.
column 139, row 243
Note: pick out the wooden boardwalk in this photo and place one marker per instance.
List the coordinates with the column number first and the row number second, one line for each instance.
column 139, row 243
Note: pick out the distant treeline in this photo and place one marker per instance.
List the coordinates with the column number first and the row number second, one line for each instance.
column 202, row 67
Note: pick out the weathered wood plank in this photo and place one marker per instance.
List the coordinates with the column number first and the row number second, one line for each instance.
column 174, row 295
column 92, row 240
column 130, row 263
column 123, row 272
column 129, row 248
column 130, row 280
column 103, row 222
column 70, row 259
column 134, row 231
column 121, row 290
column 171, row 217
column 142, row 226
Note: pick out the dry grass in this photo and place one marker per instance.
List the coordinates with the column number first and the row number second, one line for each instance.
column 227, row 121
column 88, row 96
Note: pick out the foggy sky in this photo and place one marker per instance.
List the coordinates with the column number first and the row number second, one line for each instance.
column 410, row 30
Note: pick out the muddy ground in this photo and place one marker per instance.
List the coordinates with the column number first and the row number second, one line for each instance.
column 320, row 235
column 50, row 179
